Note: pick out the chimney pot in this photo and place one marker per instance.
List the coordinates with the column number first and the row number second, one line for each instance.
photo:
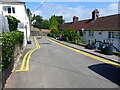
column 95, row 14
column 75, row 19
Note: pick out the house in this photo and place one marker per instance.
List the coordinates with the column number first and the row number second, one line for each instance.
column 17, row 9
column 98, row 29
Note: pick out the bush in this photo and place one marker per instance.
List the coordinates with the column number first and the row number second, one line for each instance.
column 9, row 40
column 13, row 22
column 54, row 32
column 70, row 36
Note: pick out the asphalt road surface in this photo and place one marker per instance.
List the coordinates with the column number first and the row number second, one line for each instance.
column 54, row 66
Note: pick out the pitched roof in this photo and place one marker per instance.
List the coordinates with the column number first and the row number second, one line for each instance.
column 80, row 24
column 102, row 23
column 65, row 25
column 106, row 23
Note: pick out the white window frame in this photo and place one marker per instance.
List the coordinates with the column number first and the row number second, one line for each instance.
column 5, row 9
column 114, row 35
column 91, row 33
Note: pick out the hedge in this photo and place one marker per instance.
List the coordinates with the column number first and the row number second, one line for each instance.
column 13, row 22
column 9, row 40
column 70, row 36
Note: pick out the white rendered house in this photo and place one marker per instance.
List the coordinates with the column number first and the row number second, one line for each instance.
column 17, row 9
column 97, row 28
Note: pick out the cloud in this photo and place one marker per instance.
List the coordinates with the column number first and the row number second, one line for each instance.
column 68, row 12
column 110, row 10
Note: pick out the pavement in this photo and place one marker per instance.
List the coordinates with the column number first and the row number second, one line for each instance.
column 55, row 66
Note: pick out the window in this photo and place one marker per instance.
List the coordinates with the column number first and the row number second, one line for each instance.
column 84, row 32
column 13, row 9
column 100, row 33
column 115, row 35
column 7, row 9
column 91, row 33
column 109, row 34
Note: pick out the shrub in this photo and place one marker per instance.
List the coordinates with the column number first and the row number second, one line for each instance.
column 8, row 44
column 70, row 36
column 54, row 32
column 13, row 22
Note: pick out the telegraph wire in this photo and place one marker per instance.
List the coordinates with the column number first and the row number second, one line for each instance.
column 40, row 5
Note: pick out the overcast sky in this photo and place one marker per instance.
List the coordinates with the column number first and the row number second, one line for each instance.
column 69, row 9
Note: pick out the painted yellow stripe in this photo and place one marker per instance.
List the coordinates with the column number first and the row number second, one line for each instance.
column 29, row 53
column 87, row 54
column 28, row 60
column 23, row 62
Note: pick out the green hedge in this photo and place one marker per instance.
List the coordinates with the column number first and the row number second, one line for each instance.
column 70, row 36
column 54, row 32
column 9, row 40
column 13, row 22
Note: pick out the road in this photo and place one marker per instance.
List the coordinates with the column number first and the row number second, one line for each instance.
column 55, row 66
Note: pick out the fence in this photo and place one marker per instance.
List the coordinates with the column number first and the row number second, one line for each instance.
column 4, row 26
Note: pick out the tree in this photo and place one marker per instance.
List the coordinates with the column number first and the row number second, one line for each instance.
column 29, row 14
column 38, row 21
column 46, row 24
column 59, row 20
column 54, row 32
column 53, row 22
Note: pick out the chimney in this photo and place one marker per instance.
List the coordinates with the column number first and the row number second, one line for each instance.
column 63, row 21
column 95, row 14
column 75, row 19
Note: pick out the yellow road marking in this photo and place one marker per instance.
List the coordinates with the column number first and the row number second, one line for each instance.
column 29, row 53
column 87, row 54
column 28, row 60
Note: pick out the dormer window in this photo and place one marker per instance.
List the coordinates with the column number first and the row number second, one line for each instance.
column 9, row 9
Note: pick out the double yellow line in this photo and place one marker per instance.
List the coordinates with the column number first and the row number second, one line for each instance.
column 87, row 54
column 27, row 56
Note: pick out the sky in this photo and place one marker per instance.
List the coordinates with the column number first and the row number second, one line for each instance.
column 83, row 10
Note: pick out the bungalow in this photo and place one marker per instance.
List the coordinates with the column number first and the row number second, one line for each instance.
column 98, row 29
column 17, row 9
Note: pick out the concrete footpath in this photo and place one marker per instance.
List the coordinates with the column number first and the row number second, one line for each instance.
column 93, row 52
